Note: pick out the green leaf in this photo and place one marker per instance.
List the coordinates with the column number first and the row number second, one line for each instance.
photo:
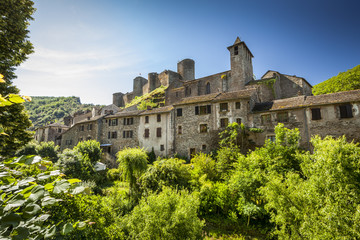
column 14, row 202
column 61, row 186
column 43, row 218
column 67, row 229
column 10, row 219
column 27, row 191
column 48, row 201
column 20, row 233
column 74, row 180
column 37, row 193
column 80, row 225
column 49, row 187
column 50, row 232
column 78, row 190
column 15, row 98
column 31, row 210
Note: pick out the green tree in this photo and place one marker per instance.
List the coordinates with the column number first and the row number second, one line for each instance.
column 344, row 81
column 48, row 150
column 167, row 215
column 89, row 150
column 170, row 172
column 322, row 200
column 14, row 49
column 133, row 163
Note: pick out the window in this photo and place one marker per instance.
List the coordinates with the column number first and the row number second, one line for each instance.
column 266, row 118
column 158, row 132
column 283, row 117
column 202, row 110
column 127, row 134
column 68, row 142
column 59, row 130
column 236, row 50
column 162, row 148
column 89, row 127
column 81, row 128
column 88, row 138
column 223, row 107
column 146, row 119
column 113, row 122
column 179, row 130
column 114, row 134
column 271, row 138
column 224, row 122
column 237, row 105
column 203, row 147
column 238, row 121
column 203, row 128
column 109, row 135
column 147, row 133
column 315, row 114
column 192, row 152
column 179, row 112
column 346, row 111
column 158, row 117
column 128, row 121
column 207, row 90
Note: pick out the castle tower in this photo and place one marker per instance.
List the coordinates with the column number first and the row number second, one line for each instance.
column 118, row 99
column 186, row 68
column 154, row 81
column 139, row 82
column 241, row 65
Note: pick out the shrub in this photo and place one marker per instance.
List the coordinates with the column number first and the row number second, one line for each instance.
column 167, row 215
column 48, row 150
column 89, row 150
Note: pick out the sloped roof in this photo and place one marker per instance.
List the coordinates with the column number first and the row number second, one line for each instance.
column 308, row 101
column 91, row 119
column 125, row 114
column 198, row 99
column 157, row 110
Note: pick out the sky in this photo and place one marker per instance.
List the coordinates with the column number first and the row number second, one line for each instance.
column 92, row 48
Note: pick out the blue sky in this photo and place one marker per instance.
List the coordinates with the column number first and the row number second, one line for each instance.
column 92, row 49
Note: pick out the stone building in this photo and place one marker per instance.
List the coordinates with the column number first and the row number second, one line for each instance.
column 197, row 109
column 51, row 132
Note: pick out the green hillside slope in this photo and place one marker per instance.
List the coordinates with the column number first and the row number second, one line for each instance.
column 43, row 110
column 344, row 81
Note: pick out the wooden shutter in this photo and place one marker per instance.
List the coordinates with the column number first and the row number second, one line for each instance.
column 197, row 110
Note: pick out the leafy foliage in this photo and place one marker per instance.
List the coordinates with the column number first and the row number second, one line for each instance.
column 344, row 81
column 45, row 110
column 25, row 200
column 167, row 215
column 14, row 49
column 170, row 172
column 133, row 163
column 90, row 150
column 154, row 99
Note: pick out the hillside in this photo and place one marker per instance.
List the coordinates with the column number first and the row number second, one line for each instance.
column 44, row 110
column 344, row 81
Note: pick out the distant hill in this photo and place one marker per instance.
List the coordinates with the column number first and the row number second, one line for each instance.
column 45, row 110
column 344, row 81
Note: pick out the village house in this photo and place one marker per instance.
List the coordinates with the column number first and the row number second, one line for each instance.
column 195, row 111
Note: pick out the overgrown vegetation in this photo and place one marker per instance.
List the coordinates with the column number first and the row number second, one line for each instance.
column 45, row 110
column 344, row 81
column 154, row 99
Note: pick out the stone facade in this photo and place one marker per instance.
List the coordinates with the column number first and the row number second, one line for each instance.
column 197, row 110
column 50, row 132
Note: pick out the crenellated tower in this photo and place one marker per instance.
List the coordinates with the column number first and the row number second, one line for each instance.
column 241, row 65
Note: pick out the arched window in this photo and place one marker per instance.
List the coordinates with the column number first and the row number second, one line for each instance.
column 207, row 91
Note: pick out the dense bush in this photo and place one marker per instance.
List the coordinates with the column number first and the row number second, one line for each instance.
column 170, row 172
column 48, row 150
column 167, row 215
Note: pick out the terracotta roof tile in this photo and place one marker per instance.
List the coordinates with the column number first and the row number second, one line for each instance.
column 308, row 101
column 157, row 110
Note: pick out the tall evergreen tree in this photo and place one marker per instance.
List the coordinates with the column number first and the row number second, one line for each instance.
column 14, row 49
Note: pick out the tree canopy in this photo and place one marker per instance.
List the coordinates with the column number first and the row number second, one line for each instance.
column 14, row 49
column 344, row 81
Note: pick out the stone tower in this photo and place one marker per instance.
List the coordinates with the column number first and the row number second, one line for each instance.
column 118, row 99
column 241, row 65
column 139, row 82
column 186, row 69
